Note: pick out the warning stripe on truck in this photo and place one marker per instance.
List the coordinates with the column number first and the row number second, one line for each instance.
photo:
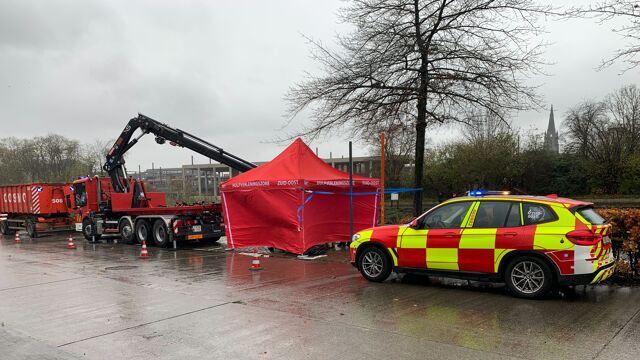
column 35, row 199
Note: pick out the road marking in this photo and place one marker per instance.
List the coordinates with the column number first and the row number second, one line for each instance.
column 147, row 323
column 44, row 283
column 616, row 334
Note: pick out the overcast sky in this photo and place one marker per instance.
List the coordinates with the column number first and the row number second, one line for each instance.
column 218, row 69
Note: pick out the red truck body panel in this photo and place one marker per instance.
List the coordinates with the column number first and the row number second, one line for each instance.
column 153, row 203
column 33, row 199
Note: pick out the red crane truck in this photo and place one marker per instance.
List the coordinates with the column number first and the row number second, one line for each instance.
column 119, row 204
column 36, row 208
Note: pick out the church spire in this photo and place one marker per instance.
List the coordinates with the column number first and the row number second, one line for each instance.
column 552, row 124
column 551, row 136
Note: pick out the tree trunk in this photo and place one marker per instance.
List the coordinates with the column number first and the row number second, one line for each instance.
column 421, row 126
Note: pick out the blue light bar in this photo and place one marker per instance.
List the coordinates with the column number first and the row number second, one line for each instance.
column 487, row 192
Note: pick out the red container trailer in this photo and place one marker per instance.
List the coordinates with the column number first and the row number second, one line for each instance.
column 36, row 208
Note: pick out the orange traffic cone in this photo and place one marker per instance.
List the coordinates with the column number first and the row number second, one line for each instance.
column 18, row 241
column 70, row 244
column 144, row 253
column 255, row 263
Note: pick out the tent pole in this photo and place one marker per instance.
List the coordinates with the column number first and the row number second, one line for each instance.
column 350, row 192
column 382, row 155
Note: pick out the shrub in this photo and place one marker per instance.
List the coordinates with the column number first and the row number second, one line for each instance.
column 625, row 236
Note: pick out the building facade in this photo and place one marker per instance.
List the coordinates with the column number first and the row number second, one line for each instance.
column 202, row 181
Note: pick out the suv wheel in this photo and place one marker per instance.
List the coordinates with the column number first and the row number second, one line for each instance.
column 528, row 277
column 374, row 264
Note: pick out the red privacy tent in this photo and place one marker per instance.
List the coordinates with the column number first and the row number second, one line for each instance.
column 296, row 201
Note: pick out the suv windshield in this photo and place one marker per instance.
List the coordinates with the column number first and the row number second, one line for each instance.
column 589, row 214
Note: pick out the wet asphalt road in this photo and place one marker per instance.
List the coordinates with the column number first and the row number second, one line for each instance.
column 103, row 302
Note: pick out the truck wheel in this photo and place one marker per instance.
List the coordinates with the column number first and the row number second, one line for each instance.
column 143, row 230
column 4, row 227
column 160, row 233
column 528, row 277
column 126, row 231
column 30, row 226
column 88, row 230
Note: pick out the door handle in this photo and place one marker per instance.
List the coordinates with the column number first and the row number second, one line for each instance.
column 511, row 234
column 450, row 234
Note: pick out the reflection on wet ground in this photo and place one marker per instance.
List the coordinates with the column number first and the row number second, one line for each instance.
column 102, row 302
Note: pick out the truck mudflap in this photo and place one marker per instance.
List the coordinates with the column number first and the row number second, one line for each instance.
column 199, row 232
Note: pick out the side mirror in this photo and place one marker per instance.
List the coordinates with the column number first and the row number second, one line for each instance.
column 414, row 223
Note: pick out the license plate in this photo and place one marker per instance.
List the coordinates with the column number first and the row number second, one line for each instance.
column 194, row 237
column 606, row 240
column 196, row 228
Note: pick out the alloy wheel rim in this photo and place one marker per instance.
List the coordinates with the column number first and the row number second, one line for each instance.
column 372, row 264
column 527, row 277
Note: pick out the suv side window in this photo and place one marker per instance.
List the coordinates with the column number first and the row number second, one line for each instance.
column 492, row 214
column 513, row 219
column 447, row 216
column 534, row 213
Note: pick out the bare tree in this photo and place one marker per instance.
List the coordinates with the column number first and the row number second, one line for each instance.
column 425, row 61
column 587, row 126
column 623, row 107
column 629, row 10
column 607, row 133
column 95, row 154
column 398, row 147
column 51, row 158
column 483, row 126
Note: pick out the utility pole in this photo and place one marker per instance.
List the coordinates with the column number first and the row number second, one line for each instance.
column 350, row 193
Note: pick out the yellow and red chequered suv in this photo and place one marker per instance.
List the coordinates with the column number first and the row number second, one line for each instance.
column 529, row 242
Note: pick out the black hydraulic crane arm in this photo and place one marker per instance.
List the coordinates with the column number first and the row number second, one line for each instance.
column 114, row 165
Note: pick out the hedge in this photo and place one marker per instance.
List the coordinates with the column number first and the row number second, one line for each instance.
column 625, row 238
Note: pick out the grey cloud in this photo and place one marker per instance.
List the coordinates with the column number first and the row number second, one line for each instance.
column 218, row 69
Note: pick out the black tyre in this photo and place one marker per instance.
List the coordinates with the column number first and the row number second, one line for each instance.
column 125, row 227
column 88, row 230
column 160, row 233
column 374, row 264
column 529, row 277
column 30, row 227
column 4, row 227
column 143, row 231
